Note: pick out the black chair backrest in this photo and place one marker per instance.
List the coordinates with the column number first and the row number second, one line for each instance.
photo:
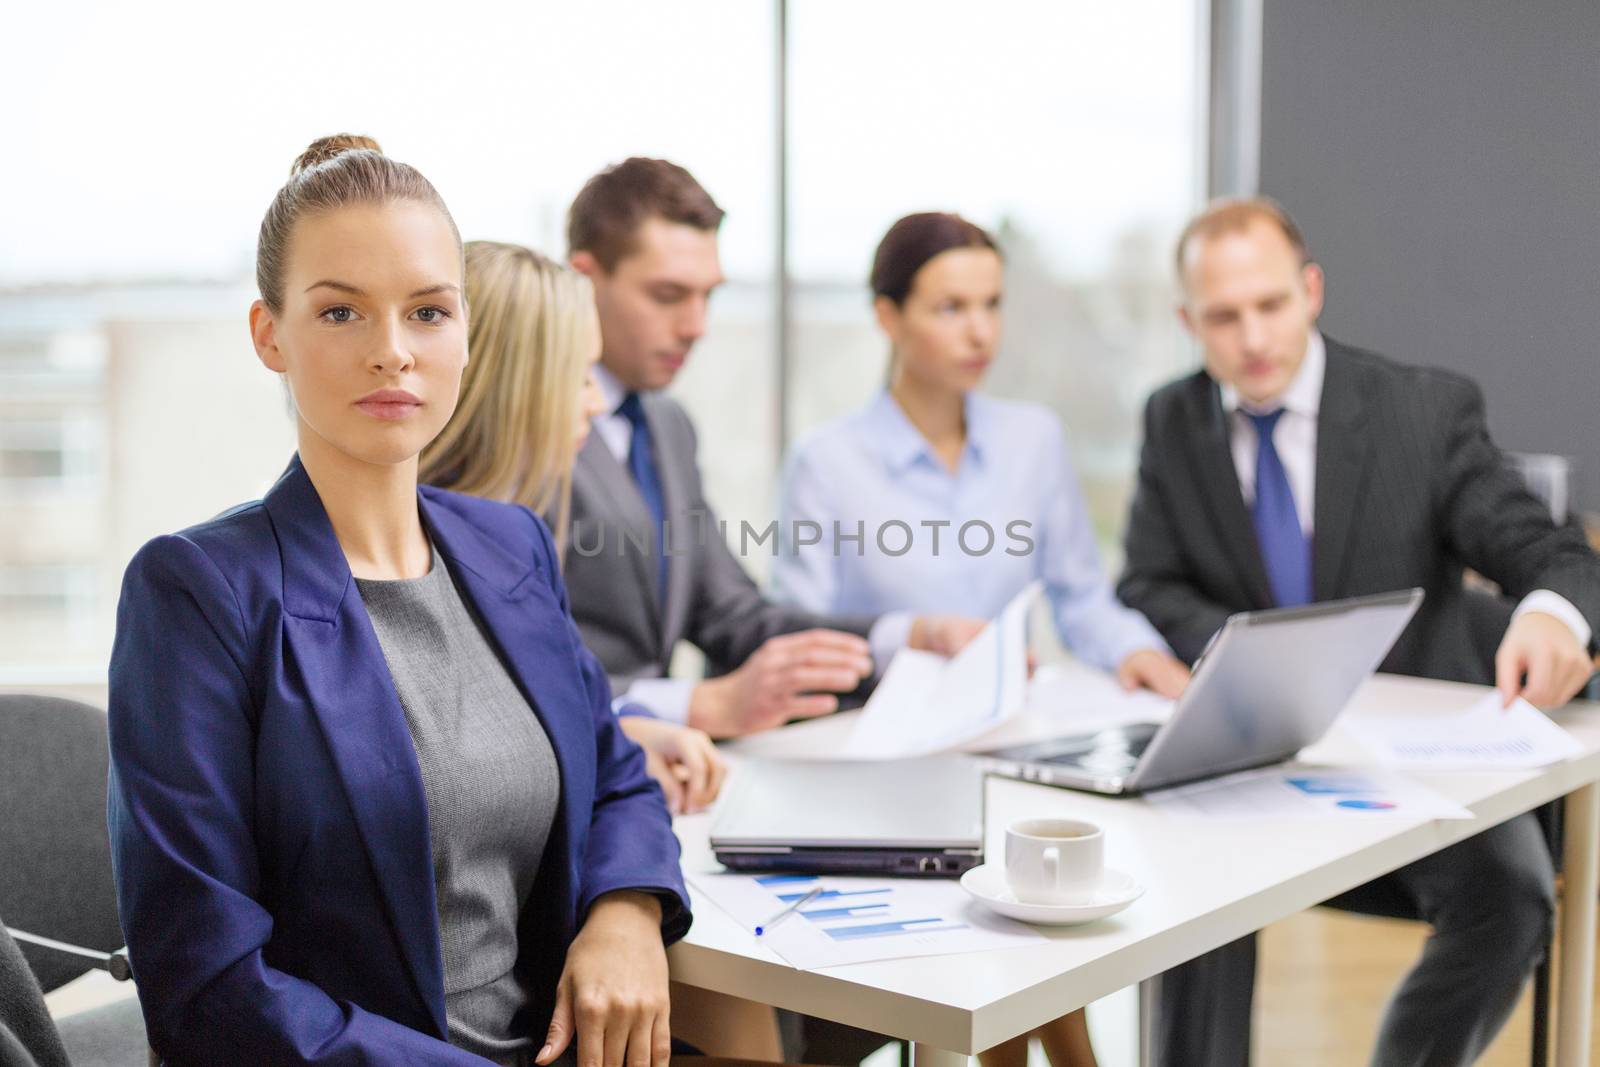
column 28, row 1037
column 13, row 1053
column 1488, row 616
column 55, row 853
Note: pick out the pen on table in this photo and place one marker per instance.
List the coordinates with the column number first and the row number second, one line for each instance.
column 793, row 907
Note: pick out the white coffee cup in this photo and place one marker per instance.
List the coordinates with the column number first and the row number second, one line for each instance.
column 1054, row 861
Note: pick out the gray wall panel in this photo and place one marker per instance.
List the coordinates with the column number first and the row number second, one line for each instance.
column 1444, row 159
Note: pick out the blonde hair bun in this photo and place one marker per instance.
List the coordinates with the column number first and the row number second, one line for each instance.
column 331, row 174
column 325, row 148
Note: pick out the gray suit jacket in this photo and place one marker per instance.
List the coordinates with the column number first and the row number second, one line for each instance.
column 611, row 574
column 1409, row 488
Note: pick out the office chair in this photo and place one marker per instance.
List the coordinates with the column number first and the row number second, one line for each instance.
column 27, row 1036
column 56, row 890
column 1488, row 615
column 1548, row 477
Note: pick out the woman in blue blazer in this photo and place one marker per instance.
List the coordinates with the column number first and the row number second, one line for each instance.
column 301, row 846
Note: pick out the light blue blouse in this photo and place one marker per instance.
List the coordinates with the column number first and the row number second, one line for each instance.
column 894, row 529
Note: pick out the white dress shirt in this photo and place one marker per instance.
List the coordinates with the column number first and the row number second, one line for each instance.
column 615, row 430
column 668, row 698
column 1295, row 438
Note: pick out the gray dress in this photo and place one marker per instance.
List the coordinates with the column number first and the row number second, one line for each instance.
column 492, row 787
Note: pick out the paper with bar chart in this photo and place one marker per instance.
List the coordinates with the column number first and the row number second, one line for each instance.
column 1366, row 793
column 1482, row 736
column 857, row 920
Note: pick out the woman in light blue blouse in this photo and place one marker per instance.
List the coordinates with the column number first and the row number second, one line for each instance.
column 960, row 499
column 934, row 498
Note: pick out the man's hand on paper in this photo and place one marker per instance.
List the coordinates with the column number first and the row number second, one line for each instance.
column 1540, row 660
column 944, row 635
column 1155, row 671
column 682, row 759
column 792, row 676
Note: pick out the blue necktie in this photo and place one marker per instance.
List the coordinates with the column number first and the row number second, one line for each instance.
column 642, row 465
column 1285, row 549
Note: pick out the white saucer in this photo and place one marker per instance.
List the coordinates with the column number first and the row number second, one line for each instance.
column 988, row 884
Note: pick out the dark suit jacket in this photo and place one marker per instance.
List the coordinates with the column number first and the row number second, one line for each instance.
column 268, row 825
column 1409, row 488
column 710, row 601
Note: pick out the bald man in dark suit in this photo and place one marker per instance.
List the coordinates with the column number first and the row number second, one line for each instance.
column 1295, row 469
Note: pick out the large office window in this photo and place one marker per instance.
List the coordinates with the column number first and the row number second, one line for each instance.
column 142, row 173
column 131, row 402
column 1071, row 131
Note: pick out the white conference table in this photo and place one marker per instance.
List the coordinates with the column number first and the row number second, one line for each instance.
column 1207, row 883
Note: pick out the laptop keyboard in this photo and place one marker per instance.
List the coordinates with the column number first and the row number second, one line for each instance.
column 1107, row 752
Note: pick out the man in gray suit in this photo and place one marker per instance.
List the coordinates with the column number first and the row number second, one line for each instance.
column 647, row 565
column 1295, row 469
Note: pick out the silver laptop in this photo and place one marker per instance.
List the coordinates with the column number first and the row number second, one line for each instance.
column 902, row 817
column 1269, row 684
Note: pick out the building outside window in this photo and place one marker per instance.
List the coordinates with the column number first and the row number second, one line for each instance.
column 131, row 402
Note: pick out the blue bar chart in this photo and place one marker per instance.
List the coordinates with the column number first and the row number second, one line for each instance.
column 857, row 920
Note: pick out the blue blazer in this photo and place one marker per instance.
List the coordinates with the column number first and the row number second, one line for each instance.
column 268, row 826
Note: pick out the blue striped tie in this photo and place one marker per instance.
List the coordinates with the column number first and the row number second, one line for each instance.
column 1285, row 549
column 642, row 465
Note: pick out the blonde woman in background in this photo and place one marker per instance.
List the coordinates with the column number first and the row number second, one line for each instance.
column 526, row 400
column 527, row 396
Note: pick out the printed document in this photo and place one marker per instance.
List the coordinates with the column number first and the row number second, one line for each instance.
column 1483, row 736
column 1308, row 792
column 857, row 920
column 926, row 703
